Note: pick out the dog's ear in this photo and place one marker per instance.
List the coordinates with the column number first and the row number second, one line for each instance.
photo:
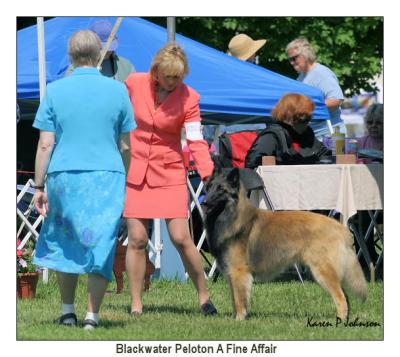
column 217, row 164
column 234, row 178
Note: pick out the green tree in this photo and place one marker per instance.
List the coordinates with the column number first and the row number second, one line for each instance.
column 351, row 46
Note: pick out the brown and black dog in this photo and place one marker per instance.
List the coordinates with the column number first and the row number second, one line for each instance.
column 248, row 242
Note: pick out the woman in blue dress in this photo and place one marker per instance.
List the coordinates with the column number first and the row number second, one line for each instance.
column 81, row 121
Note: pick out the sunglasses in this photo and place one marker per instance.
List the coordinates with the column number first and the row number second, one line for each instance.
column 293, row 59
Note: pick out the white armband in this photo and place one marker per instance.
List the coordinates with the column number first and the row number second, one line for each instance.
column 193, row 131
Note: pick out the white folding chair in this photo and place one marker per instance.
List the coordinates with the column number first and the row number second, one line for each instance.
column 195, row 203
column 155, row 248
column 29, row 218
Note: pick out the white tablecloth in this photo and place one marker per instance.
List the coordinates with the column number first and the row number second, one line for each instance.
column 344, row 188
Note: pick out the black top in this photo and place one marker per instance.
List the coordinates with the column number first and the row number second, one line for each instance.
column 277, row 140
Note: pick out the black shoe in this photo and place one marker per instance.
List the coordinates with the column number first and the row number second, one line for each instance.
column 66, row 317
column 89, row 324
column 208, row 308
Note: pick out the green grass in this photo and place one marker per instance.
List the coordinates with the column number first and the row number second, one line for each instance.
column 278, row 311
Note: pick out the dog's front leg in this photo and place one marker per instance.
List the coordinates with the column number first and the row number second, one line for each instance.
column 240, row 281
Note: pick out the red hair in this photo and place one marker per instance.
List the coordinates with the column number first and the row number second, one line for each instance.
column 293, row 108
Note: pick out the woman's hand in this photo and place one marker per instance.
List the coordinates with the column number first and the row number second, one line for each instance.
column 41, row 202
column 43, row 154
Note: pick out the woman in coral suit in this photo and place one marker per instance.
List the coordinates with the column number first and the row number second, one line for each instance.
column 156, row 181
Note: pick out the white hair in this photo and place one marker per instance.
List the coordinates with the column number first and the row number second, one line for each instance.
column 303, row 47
column 84, row 48
column 375, row 111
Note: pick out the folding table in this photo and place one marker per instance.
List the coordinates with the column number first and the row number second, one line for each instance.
column 343, row 188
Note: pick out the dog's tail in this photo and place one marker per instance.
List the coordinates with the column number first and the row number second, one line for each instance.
column 354, row 278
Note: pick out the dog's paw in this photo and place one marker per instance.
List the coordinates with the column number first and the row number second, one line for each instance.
column 241, row 317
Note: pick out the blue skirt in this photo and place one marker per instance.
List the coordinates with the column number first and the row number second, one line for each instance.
column 79, row 234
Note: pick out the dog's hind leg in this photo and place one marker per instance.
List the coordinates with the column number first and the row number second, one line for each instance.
column 240, row 281
column 327, row 278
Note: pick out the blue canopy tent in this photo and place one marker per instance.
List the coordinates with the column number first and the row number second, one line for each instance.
column 231, row 90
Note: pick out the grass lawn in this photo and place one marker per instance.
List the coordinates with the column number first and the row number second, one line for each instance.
column 278, row 311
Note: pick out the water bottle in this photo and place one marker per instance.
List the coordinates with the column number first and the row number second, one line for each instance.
column 351, row 146
column 338, row 142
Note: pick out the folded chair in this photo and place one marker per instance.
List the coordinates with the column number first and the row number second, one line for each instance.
column 29, row 220
column 196, row 218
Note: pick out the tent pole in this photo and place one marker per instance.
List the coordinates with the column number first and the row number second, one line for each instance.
column 42, row 85
column 41, row 56
column 109, row 40
column 171, row 28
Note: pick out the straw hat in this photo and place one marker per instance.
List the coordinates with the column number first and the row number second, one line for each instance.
column 243, row 47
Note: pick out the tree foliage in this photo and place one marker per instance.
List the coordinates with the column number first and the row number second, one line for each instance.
column 351, row 46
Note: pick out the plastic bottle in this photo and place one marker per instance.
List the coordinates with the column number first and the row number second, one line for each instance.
column 338, row 142
column 351, row 146
column 327, row 141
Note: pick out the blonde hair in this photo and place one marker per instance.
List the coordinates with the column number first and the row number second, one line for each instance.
column 171, row 60
column 84, row 48
column 303, row 47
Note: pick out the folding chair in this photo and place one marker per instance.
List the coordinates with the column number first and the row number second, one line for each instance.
column 361, row 238
column 195, row 195
column 30, row 219
column 233, row 147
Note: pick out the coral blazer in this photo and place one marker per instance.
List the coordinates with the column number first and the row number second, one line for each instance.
column 156, row 149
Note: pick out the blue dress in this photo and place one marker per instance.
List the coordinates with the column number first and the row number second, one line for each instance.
column 79, row 234
column 86, row 177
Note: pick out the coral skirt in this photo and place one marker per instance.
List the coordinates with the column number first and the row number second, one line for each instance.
column 144, row 201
